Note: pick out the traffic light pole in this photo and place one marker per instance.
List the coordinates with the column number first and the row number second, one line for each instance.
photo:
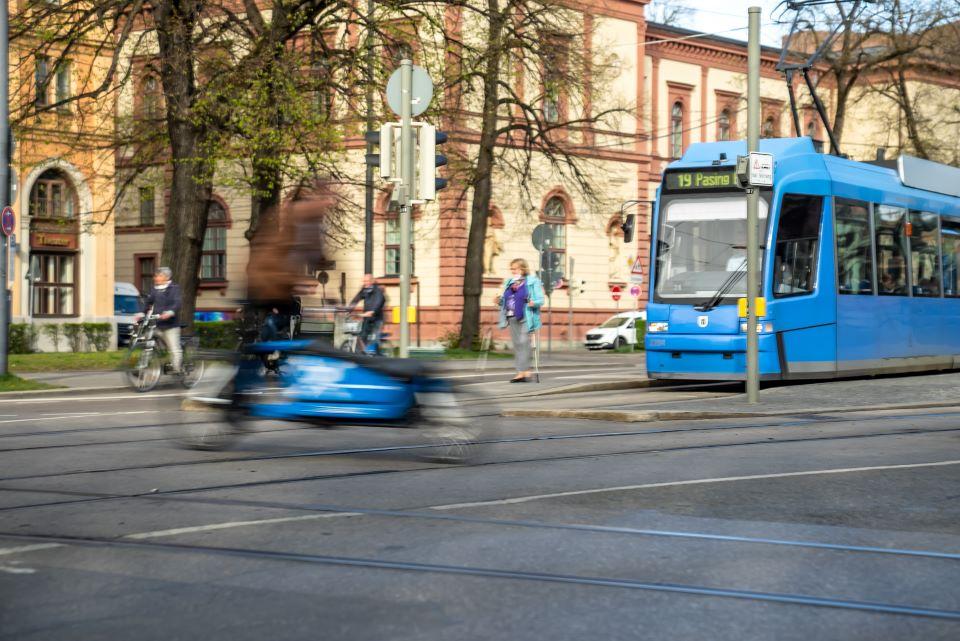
column 753, row 204
column 4, row 179
column 368, row 184
column 407, row 152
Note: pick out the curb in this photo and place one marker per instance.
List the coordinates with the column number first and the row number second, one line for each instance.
column 678, row 415
column 76, row 391
column 574, row 388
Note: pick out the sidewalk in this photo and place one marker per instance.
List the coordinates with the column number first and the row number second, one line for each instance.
column 562, row 372
column 690, row 402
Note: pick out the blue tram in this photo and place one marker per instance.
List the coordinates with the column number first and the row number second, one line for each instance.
column 859, row 266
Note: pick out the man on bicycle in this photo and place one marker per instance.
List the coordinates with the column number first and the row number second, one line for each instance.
column 165, row 300
column 373, row 304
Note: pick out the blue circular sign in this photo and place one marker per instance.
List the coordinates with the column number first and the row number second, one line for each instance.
column 8, row 221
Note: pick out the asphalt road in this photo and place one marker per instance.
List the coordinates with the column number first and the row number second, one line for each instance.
column 841, row 526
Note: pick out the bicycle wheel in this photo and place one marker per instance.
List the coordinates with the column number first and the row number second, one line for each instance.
column 192, row 366
column 451, row 436
column 143, row 368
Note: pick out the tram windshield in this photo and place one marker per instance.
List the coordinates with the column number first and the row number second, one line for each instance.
column 702, row 246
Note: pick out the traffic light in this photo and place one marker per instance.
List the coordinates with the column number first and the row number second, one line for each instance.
column 388, row 157
column 628, row 226
column 550, row 269
column 428, row 160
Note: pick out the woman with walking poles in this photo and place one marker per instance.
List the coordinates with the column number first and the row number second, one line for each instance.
column 520, row 304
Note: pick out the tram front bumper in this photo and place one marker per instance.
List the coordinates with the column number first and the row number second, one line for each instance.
column 709, row 357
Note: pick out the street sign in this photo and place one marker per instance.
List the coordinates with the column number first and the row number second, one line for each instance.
column 635, row 291
column 323, row 277
column 755, row 170
column 420, row 95
column 615, row 292
column 542, row 237
column 636, row 272
column 8, row 221
column 761, row 169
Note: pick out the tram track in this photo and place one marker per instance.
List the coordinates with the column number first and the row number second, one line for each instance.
column 374, row 563
column 427, row 468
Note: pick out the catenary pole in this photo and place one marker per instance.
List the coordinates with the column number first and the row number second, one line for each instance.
column 4, row 178
column 753, row 202
column 368, row 184
column 406, row 196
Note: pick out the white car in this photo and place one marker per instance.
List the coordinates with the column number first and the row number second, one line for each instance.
column 126, row 303
column 616, row 331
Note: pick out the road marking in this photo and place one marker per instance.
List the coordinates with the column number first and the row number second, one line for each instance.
column 49, row 417
column 11, row 569
column 627, row 368
column 233, row 524
column 89, row 398
column 724, row 479
column 514, row 500
column 29, row 548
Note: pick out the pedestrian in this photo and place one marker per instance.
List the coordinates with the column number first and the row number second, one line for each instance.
column 165, row 300
column 520, row 304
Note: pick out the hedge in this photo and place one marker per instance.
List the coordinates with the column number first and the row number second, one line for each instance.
column 216, row 334
column 22, row 338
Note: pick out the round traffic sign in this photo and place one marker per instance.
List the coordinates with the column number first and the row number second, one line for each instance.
column 615, row 292
column 420, row 95
column 8, row 221
column 635, row 291
column 542, row 237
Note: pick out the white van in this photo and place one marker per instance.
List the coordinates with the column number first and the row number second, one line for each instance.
column 616, row 331
column 126, row 303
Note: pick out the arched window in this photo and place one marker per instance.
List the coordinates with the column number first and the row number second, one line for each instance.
column 150, row 95
column 812, row 133
column 52, row 196
column 555, row 217
column 53, row 243
column 676, row 130
column 723, row 125
column 213, row 260
column 769, row 130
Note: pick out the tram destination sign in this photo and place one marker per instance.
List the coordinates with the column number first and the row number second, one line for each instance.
column 701, row 179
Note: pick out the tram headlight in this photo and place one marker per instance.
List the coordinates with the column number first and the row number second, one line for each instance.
column 762, row 328
column 657, row 327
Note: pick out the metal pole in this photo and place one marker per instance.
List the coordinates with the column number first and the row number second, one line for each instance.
column 4, row 178
column 570, row 302
column 368, row 185
column 753, row 202
column 406, row 195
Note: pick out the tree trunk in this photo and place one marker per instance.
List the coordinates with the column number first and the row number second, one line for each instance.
column 190, row 188
column 483, row 179
column 909, row 114
column 266, row 193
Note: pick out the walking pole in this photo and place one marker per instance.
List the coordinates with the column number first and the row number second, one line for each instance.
column 536, row 356
column 485, row 344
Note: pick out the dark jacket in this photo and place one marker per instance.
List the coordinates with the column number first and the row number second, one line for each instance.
column 165, row 300
column 373, row 301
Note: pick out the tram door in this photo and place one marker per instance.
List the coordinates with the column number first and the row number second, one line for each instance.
column 873, row 314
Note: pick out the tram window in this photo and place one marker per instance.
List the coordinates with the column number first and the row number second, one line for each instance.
column 795, row 257
column 854, row 251
column 950, row 239
column 924, row 254
column 891, row 233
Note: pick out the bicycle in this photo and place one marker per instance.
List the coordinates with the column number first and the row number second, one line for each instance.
column 356, row 343
column 148, row 355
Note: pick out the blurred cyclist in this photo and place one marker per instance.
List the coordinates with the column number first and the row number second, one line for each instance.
column 373, row 304
column 286, row 247
column 165, row 300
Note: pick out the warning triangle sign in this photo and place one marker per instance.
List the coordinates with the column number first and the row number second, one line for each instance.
column 637, row 267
